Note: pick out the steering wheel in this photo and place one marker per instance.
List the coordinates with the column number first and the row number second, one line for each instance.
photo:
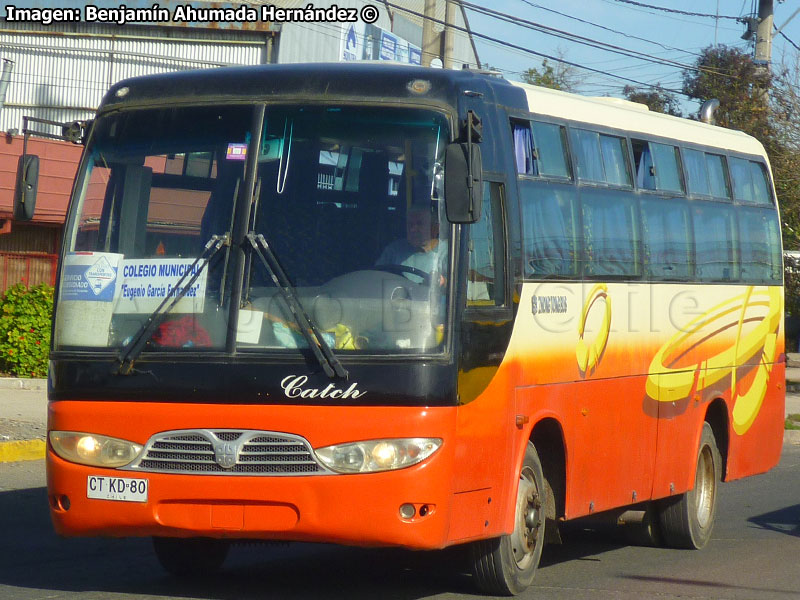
column 403, row 270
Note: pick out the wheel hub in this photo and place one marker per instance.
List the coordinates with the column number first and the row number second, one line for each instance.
column 528, row 520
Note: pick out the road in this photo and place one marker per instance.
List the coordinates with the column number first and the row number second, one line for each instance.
column 752, row 556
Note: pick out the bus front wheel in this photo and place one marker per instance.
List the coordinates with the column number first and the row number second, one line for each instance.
column 687, row 519
column 190, row 557
column 506, row 565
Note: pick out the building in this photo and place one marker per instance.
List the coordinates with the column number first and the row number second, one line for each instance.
column 62, row 69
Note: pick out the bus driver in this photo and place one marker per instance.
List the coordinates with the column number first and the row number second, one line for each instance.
column 421, row 249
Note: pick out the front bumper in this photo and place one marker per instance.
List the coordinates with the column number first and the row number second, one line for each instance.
column 359, row 509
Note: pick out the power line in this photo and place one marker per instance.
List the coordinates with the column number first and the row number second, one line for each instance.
column 673, row 17
column 522, row 48
column 622, row 33
column 784, row 36
column 676, row 11
column 593, row 43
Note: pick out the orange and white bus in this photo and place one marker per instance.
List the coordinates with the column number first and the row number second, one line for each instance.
column 394, row 306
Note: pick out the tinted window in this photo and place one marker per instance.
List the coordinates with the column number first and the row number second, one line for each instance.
column 749, row 181
column 696, row 172
column 615, row 152
column 601, row 158
column 609, row 229
column 550, row 149
column 665, row 234
column 714, row 249
column 589, row 161
column 523, row 148
column 550, row 229
column 668, row 172
column 657, row 166
column 760, row 242
column 485, row 285
column 715, row 164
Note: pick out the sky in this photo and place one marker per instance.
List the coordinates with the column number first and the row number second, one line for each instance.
column 664, row 35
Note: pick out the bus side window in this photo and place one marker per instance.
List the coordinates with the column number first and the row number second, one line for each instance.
column 715, row 163
column 643, row 161
column 697, row 176
column 666, row 241
column 550, row 143
column 601, row 158
column 524, row 153
column 611, row 247
column 657, row 166
column 714, row 249
column 760, row 243
column 485, row 279
column 749, row 182
column 550, row 225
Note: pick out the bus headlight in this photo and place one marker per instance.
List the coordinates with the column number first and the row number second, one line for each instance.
column 377, row 455
column 92, row 449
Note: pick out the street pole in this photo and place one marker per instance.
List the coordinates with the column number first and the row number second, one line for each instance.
column 764, row 33
column 449, row 17
column 763, row 53
column 430, row 45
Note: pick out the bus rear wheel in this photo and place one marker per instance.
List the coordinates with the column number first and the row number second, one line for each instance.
column 506, row 565
column 190, row 557
column 688, row 519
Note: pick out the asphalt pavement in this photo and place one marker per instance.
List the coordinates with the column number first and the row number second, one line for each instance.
column 23, row 413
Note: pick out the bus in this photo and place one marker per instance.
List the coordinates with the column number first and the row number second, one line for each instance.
column 394, row 306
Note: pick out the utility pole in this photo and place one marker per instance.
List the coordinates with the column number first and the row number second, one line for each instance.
column 449, row 17
column 430, row 41
column 764, row 34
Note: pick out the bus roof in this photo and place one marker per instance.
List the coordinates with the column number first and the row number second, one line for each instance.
column 634, row 117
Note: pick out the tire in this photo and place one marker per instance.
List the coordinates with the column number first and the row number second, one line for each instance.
column 688, row 519
column 647, row 532
column 505, row 566
column 190, row 557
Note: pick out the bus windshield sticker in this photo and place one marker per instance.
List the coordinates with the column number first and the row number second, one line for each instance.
column 88, row 288
column 236, row 152
column 145, row 283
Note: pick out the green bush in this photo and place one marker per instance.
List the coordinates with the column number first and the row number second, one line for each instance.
column 25, row 330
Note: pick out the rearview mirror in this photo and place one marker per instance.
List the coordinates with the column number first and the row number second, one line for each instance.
column 26, row 186
column 463, row 183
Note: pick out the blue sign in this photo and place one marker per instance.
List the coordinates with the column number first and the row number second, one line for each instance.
column 388, row 46
column 350, row 44
column 92, row 283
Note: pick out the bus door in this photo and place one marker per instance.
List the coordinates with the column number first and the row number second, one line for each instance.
column 484, row 445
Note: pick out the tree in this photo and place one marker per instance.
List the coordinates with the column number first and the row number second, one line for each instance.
column 559, row 77
column 656, row 99
column 742, row 87
column 731, row 76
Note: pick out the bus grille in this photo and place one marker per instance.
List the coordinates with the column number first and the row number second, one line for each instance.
column 227, row 452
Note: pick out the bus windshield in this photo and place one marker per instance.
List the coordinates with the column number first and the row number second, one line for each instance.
column 347, row 201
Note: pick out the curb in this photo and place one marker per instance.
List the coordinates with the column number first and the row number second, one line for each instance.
column 26, row 450
column 18, row 383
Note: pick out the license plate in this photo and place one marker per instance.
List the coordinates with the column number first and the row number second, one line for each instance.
column 121, row 489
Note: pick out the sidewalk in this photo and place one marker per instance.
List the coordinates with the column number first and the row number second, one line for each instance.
column 23, row 419
column 23, row 413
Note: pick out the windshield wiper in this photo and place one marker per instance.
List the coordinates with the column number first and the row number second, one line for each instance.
column 129, row 354
column 316, row 342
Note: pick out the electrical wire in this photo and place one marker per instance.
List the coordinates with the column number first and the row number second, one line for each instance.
column 609, row 29
column 676, row 11
column 593, row 43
